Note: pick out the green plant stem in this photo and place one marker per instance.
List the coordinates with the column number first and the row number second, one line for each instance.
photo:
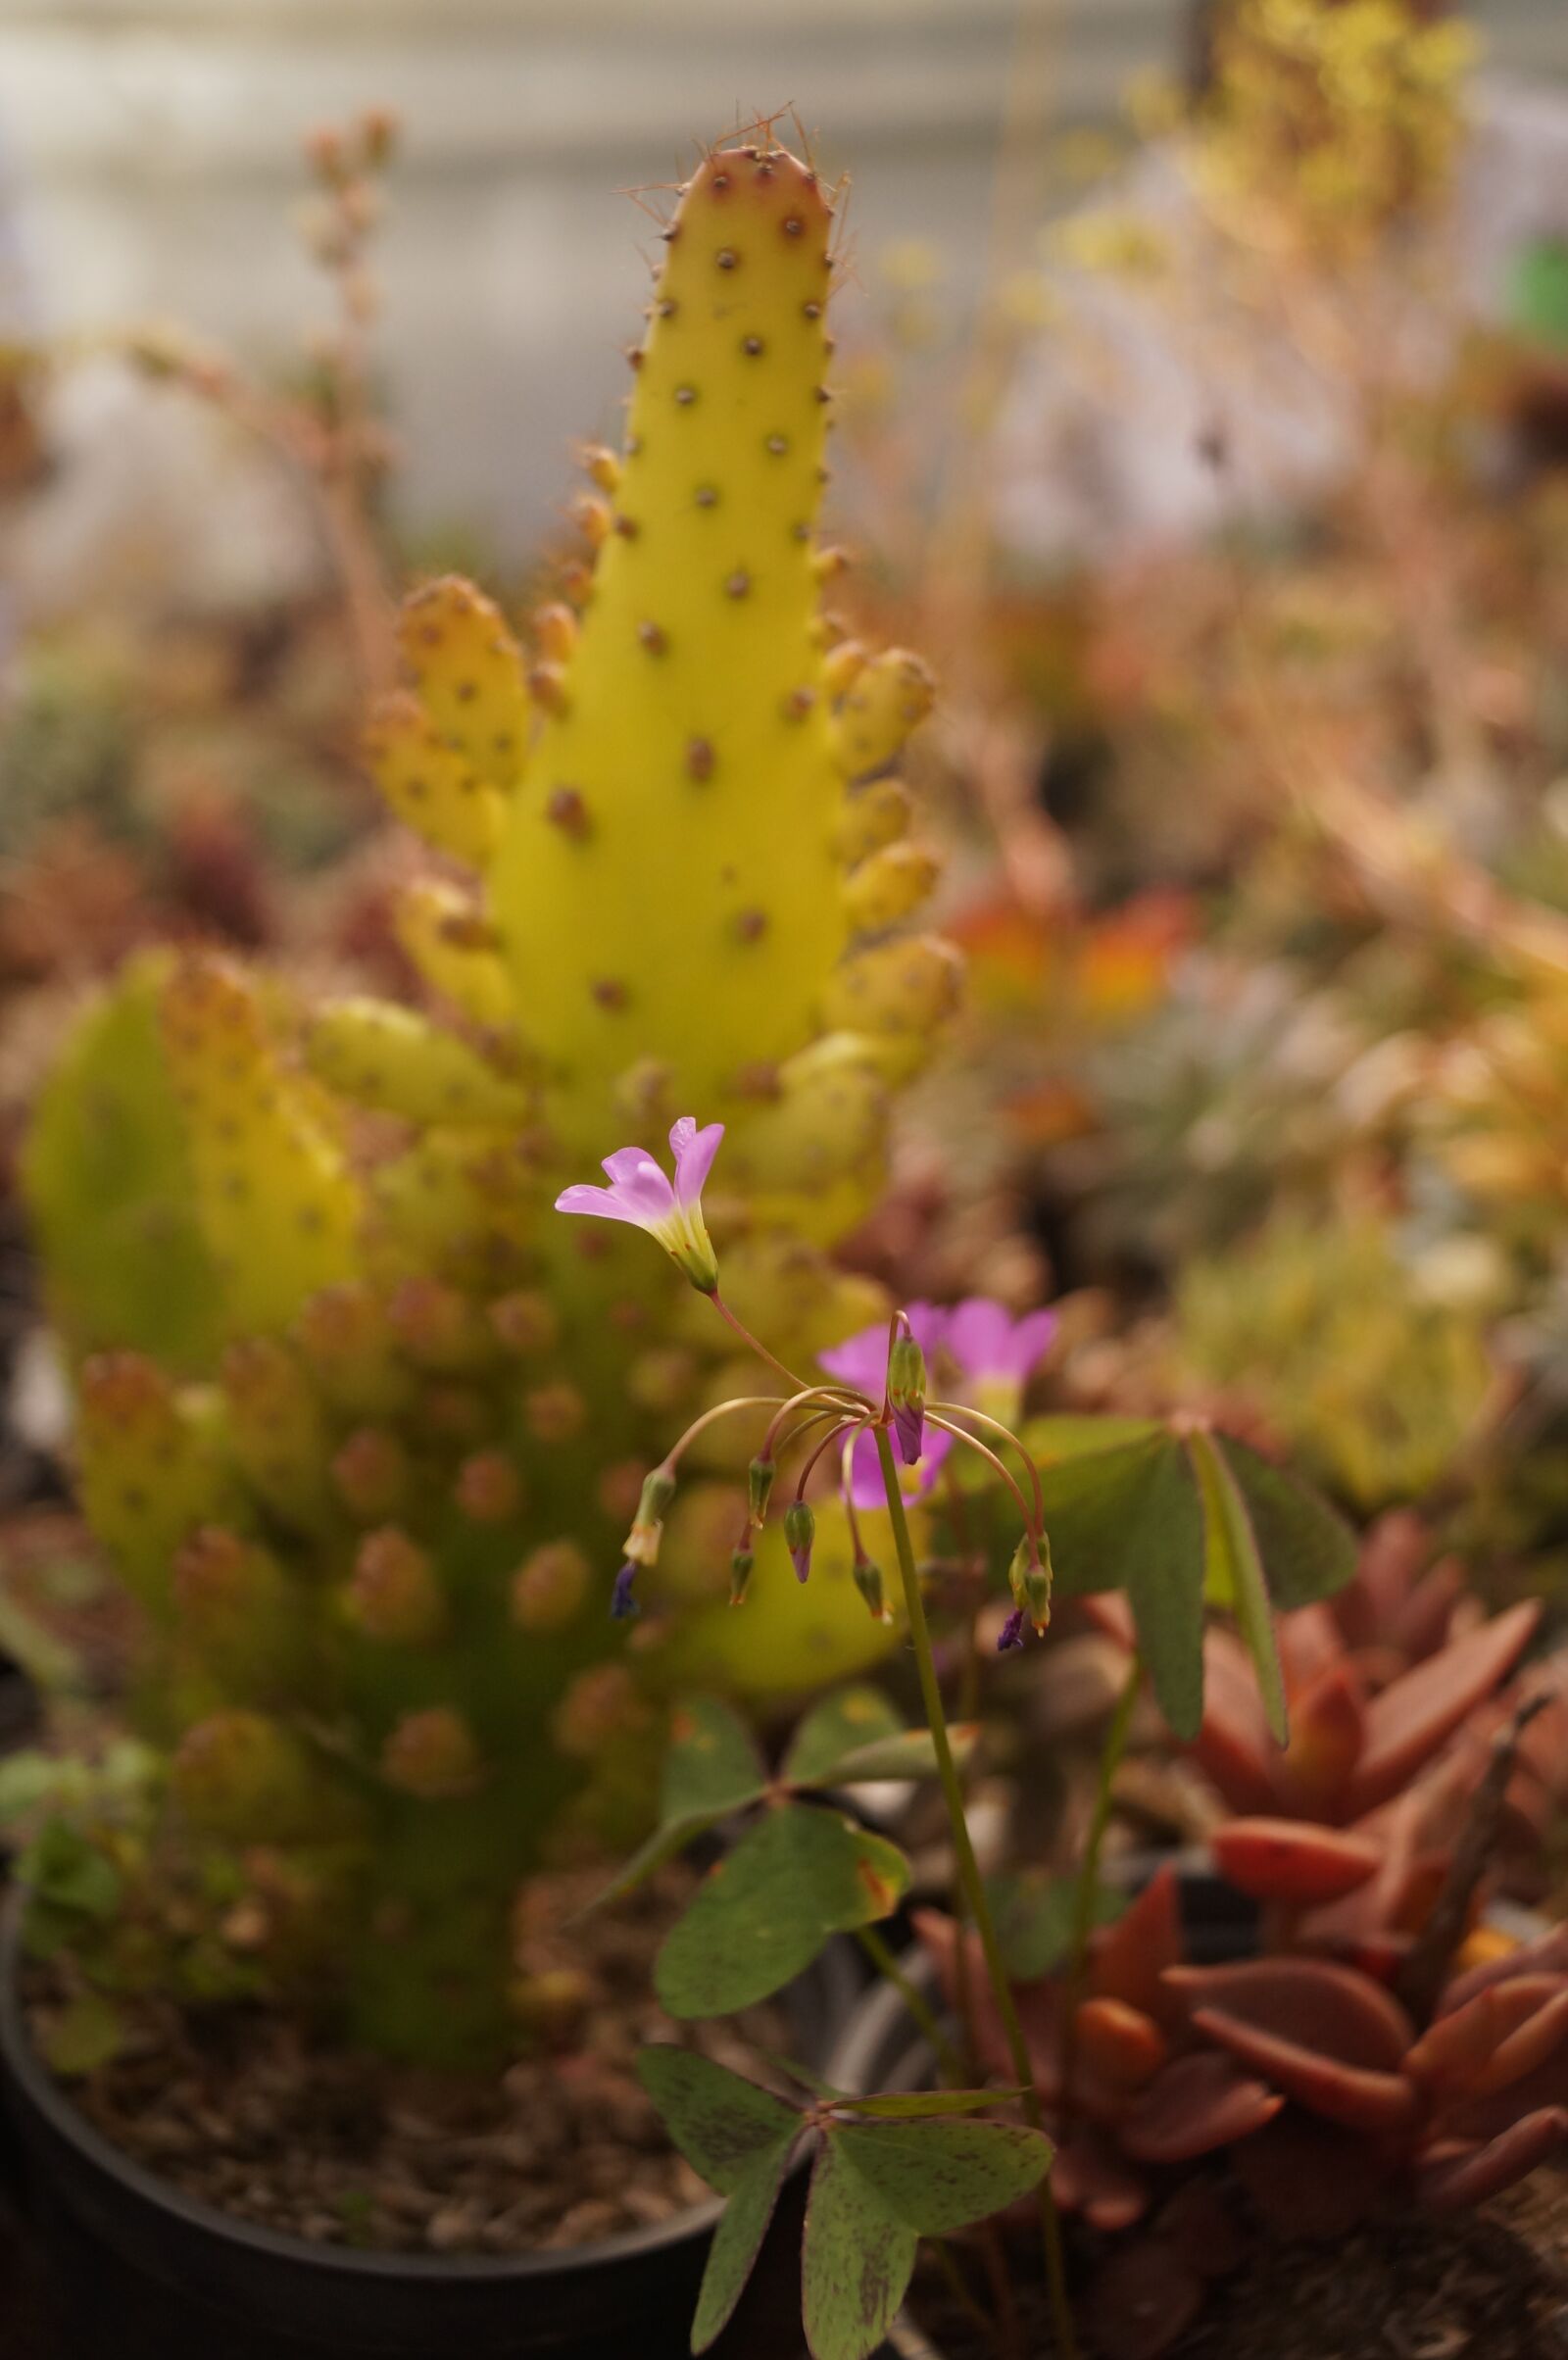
column 1087, row 1885
column 971, row 1883
column 888, row 1967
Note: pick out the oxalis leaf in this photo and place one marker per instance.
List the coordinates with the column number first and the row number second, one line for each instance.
column 763, row 1914
column 711, row 1770
column 1234, row 1572
column 876, row 2189
column 857, row 1737
column 739, row 2137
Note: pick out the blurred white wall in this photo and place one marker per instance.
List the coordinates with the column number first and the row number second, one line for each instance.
column 156, row 142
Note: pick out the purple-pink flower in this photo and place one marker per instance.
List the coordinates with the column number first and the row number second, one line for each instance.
column 640, row 1192
column 994, row 1354
column 861, row 1360
column 992, row 1348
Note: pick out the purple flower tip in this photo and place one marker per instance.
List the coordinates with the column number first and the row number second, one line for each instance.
column 800, row 1559
column 908, row 1425
column 1011, row 1631
column 622, row 1602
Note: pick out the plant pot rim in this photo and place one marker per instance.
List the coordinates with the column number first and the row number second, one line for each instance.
column 30, row 2078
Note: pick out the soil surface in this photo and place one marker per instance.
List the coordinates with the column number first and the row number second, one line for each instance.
column 240, row 2109
column 1490, row 2286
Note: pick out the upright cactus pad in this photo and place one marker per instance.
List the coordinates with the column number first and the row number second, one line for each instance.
column 375, row 1534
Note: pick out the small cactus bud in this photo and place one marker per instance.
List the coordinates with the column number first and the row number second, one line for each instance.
column 906, row 1397
column 758, row 1487
column 555, row 1412
column 872, row 818
column 431, row 1754
column 888, row 885
column 549, row 1588
column 601, row 1704
column 238, row 1608
column 371, row 1473
column 525, row 1324
column 741, row 1562
column 394, row 1593
column 244, row 1777
column 438, row 1327
column 556, row 629
column 800, row 1533
column 347, row 1346
column 488, row 1487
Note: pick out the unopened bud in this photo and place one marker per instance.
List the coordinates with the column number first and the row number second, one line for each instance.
column 758, row 1487
column 868, row 1582
column 741, row 1562
column 906, row 1397
column 800, row 1531
column 648, row 1525
column 1030, row 1578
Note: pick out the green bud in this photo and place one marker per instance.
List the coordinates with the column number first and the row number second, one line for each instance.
column 800, row 1531
column 868, row 1582
column 741, row 1562
column 1029, row 1578
column 759, row 1488
column 648, row 1525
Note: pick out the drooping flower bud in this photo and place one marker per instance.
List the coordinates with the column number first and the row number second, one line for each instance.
column 741, row 1562
column 758, row 1487
column 868, row 1582
column 648, row 1525
column 623, row 1603
column 1030, row 1578
column 800, row 1531
column 906, row 1397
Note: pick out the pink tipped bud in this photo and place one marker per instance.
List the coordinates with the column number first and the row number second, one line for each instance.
column 800, row 1534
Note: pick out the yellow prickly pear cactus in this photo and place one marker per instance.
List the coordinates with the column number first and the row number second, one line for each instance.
column 366, row 1494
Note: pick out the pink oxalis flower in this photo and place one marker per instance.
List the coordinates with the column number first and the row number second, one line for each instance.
column 640, row 1192
column 994, row 1354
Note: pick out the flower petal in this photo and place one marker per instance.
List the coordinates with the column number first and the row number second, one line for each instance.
column 695, row 1151
column 602, row 1202
column 861, row 1360
column 640, row 1185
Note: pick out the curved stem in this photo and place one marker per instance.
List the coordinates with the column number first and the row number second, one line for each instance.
column 972, row 1882
column 743, row 1400
column 745, row 1334
column 961, row 1435
column 996, row 1426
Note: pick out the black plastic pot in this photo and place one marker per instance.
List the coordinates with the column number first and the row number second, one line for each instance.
column 142, row 2272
